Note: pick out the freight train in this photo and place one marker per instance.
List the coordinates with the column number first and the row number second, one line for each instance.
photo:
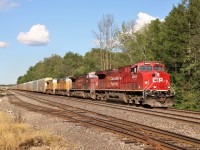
column 143, row 83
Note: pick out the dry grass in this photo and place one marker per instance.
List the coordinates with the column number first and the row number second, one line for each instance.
column 14, row 134
column 2, row 93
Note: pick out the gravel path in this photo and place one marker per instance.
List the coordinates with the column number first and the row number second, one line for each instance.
column 83, row 138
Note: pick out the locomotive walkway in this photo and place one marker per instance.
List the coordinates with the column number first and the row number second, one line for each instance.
column 130, row 131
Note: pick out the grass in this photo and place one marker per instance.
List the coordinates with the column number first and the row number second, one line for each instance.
column 16, row 135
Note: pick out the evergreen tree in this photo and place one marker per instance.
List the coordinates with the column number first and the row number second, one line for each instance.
column 192, row 65
column 175, row 38
column 155, row 40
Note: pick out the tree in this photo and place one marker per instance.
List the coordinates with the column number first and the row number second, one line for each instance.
column 106, row 40
column 139, row 45
column 92, row 61
column 192, row 63
column 73, row 63
column 127, row 42
column 155, row 41
column 53, row 66
column 181, row 46
column 175, row 38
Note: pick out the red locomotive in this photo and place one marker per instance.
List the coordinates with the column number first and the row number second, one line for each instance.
column 142, row 83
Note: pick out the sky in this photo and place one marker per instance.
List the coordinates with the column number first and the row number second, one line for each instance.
column 31, row 30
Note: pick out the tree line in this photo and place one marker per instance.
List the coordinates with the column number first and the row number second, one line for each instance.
column 174, row 42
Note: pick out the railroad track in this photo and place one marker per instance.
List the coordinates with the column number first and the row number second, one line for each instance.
column 133, row 132
column 188, row 117
column 184, row 111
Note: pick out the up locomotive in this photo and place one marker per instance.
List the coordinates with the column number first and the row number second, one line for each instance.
column 143, row 83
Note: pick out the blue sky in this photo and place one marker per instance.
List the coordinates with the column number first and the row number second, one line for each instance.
column 32, row 30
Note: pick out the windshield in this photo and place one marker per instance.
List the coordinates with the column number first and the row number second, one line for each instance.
column 145, row 68
column 158, row 68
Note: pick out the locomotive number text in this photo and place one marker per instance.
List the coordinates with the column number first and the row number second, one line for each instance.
column 155, row 79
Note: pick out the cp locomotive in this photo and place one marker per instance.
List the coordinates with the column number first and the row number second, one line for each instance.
column 143, row 83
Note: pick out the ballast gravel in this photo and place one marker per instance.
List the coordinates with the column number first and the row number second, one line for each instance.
column 163, row 123
column 84, row 138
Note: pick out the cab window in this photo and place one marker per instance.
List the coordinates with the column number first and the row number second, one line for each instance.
column 145, row 68
column 158, row 68
column 134, row 70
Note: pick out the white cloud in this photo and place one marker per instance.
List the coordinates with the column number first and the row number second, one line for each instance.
column 3, row 44
column 37, row 35
column 7, row 4
column 143, row 19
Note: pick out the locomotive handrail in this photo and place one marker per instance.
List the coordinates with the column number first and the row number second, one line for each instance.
column 144, row 90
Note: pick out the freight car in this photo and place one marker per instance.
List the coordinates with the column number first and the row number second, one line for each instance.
column 143, row 83
column 34, row 86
